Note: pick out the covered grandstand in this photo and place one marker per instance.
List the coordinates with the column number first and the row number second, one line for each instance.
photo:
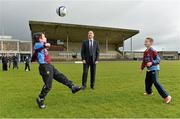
column 66, row 39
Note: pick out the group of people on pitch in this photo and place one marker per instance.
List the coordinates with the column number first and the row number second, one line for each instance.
column 90, row 56
column 6, row 62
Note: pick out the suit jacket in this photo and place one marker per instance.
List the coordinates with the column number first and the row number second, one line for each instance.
column 85, row 53
column 4, row 60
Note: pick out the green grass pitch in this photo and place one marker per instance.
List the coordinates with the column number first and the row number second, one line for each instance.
column 119, row 92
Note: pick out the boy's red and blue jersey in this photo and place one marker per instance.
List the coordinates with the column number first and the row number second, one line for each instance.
column 42, row 53
column 151, row 55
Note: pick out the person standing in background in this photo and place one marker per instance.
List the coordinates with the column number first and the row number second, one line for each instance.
column 90, row 56
column 4, row 63
column 15, row 62
column 10, row 61
column 27, row 66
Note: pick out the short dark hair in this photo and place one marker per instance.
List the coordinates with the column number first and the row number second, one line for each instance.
column 37, row 35
column 150, row 39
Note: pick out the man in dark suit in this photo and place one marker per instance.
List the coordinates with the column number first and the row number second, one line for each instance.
column 90, row 56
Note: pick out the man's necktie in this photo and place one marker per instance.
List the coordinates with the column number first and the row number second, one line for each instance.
column 91, row 48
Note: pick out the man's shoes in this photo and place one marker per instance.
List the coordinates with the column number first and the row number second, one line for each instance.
column 148, row 93
column 168, row 99
column 40, row 103
column 75, row 89
column 83, row 88
column 92, row 88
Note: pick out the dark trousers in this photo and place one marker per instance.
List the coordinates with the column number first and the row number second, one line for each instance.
column 5, row 67
column 85, row 73
column 15, row 65
column 152, row 78
column 27, row 66
column 9, row 64
column 48, row 73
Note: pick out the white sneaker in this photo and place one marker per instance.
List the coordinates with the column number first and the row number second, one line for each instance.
column 148, row 94
column 168, row 99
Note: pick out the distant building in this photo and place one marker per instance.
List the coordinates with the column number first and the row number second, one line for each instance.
column 165, row 55
column 10, row 47
column 135, row 55
column 169, row 55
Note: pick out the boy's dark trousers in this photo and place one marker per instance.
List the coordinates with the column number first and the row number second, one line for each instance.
column 48, row 73
column 152, row 78
column 86, row 66
column 27, row 66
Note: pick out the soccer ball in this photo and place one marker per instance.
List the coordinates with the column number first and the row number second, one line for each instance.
column 61, row 11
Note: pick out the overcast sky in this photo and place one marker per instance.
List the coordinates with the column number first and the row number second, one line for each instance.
column 159, row 19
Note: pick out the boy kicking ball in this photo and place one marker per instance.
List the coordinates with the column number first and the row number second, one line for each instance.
column 151, row 60
column 47, row 70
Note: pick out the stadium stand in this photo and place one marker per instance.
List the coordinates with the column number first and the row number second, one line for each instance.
column 66, row 39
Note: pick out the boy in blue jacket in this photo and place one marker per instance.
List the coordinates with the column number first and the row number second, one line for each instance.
column 151, row 61
column 47, row 70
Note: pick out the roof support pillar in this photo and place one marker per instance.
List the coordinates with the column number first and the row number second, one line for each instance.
column 31, row 49
column 131, row 43
column 67, row 45
column 123, row 48
column 107, row 38
column 1, row 45
column 18, row 46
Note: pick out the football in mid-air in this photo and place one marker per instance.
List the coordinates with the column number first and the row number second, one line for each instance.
column 61, row 11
